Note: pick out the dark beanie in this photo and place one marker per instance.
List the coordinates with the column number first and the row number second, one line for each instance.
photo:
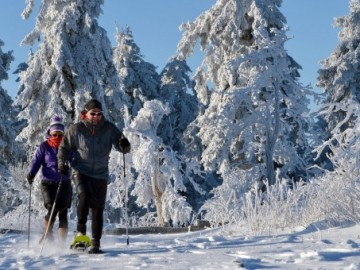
column 92, row 104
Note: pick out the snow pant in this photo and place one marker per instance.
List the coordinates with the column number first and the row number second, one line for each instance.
column 91, row 195
column 63, row 202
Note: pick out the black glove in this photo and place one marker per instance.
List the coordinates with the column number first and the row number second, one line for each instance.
column 124, row 145
column 64, row 170
column 30, row 178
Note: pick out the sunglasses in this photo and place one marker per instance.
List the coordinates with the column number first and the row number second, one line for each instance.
column 57, row 135
column 96, row 113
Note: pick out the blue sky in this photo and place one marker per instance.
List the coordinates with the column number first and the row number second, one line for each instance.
column 155, row 28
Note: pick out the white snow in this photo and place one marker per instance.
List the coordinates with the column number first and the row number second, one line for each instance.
column 221, row 248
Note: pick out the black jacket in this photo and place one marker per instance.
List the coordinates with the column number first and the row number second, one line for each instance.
column 90, row 147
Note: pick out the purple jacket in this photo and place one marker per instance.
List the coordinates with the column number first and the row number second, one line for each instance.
column 45, row 157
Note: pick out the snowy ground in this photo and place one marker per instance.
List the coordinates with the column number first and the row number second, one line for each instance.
column 336, row 248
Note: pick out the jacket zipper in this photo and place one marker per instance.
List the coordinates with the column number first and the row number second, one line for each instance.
column 93, row 149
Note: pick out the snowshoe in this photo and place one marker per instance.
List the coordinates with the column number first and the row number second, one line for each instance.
column 81, row 242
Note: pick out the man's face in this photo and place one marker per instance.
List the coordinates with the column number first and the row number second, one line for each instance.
column 94, row 116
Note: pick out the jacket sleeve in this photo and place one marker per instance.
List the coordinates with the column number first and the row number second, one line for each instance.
column 117, row 136
column 37, row 161
column 65, row 153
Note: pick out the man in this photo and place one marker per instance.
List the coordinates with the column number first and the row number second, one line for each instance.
column 90, row 142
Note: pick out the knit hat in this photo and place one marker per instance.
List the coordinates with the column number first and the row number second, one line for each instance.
column 56, row 124
column 92, row 104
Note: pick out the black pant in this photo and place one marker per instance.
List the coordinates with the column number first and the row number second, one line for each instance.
column 63, row 202
column 92, row 194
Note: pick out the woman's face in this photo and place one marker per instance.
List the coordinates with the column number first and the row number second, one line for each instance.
column 56, row 134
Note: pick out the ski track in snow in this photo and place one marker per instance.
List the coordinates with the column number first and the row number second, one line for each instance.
column 336, row 248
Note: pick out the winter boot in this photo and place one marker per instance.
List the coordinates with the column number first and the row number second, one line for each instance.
column 62, row 234
column 95, row 247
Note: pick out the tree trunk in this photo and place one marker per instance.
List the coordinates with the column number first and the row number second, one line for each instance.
column 157, row 192
column 272, row 134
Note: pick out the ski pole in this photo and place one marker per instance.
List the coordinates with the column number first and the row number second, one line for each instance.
column 51, row 215
column 126, row 210
column 28, row 240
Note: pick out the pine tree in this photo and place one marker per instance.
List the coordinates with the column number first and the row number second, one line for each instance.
column 11, row 188
column 253, row 124
column 139, row 78
column 7, row 118
column 339, row 77
column 177, row 90
column 72, row 64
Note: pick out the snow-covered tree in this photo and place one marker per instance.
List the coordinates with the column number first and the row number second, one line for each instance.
column 339, row 77
column 340, row 116
column 159, row 179
column 72, row 64
column 177, row 90
column 11, row 189
column 338, row 189
column 253, row 125
column 7, row 117
column 139, row 78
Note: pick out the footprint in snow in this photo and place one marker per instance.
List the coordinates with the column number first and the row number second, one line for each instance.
column 352, row 244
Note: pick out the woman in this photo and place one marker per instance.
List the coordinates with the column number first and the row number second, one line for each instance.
column 46, row 157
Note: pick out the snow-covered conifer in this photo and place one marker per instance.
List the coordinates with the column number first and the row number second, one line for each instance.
column 339, row 78
column 177, row 90
column 7, row 117
column 139, row 78
column 72, row 64
column 253, row 124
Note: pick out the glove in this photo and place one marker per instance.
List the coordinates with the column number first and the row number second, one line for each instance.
column 124, row 145
column 30, row 178
column 64, row 170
